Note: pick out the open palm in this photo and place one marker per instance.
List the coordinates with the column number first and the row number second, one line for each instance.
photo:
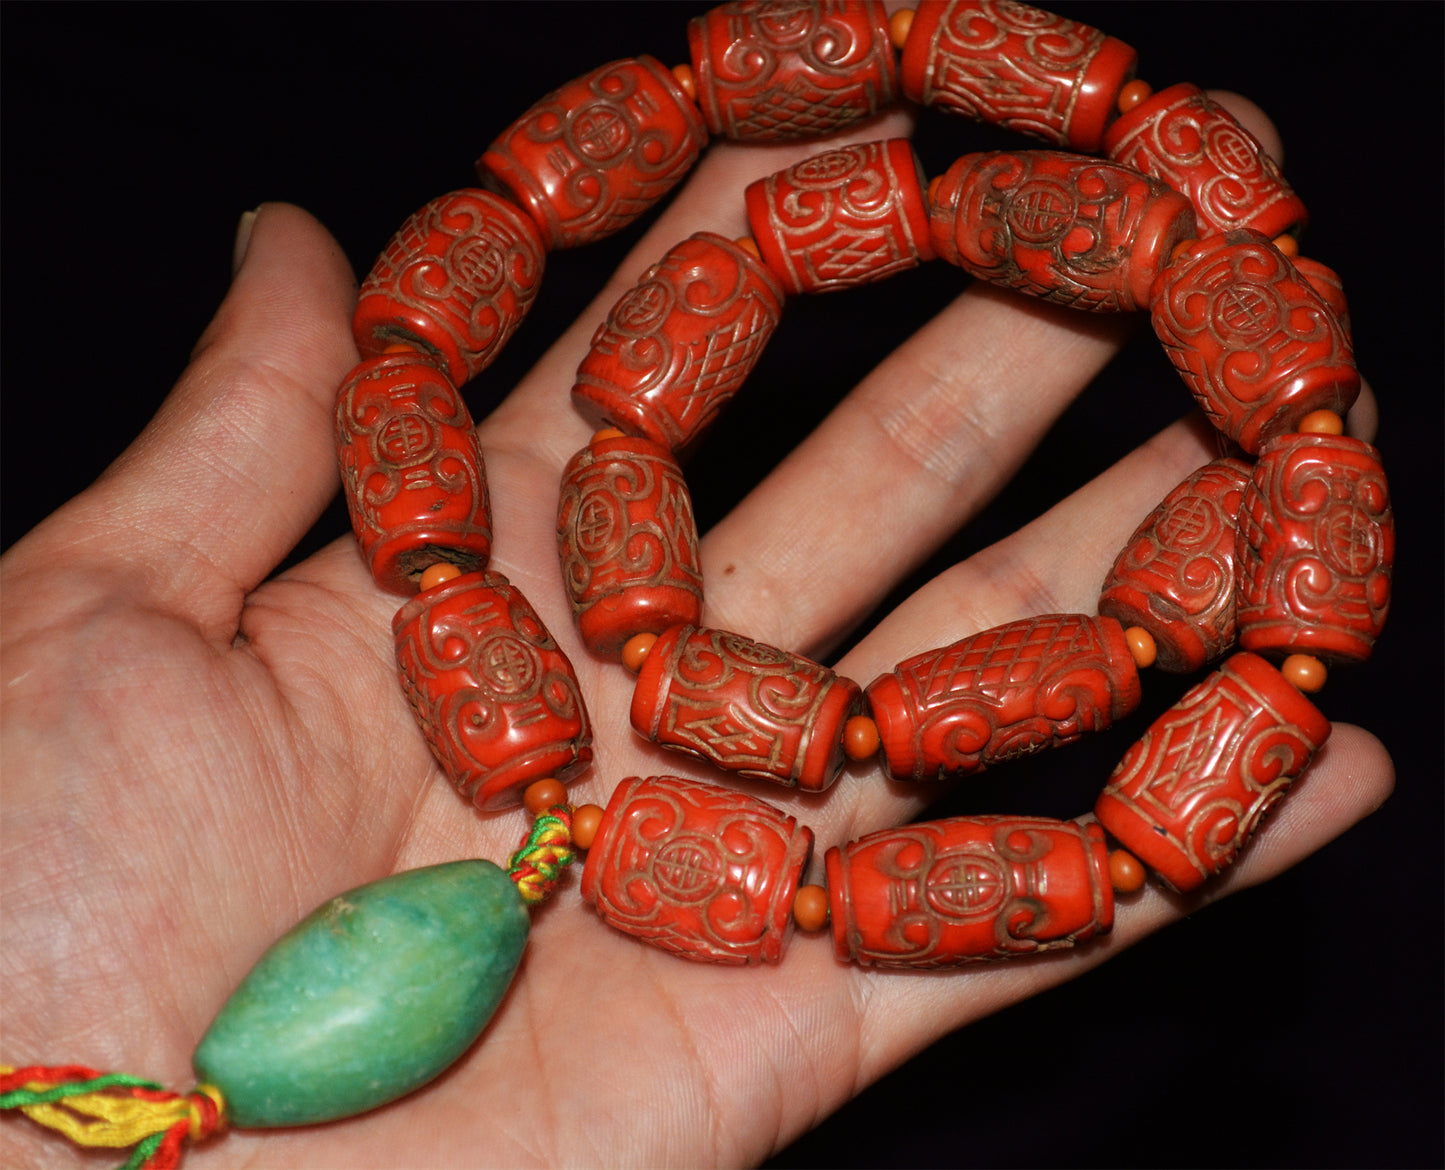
column 195, row 756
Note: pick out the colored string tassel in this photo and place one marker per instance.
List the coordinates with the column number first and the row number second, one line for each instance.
column 114, row 1109
column 537, row 866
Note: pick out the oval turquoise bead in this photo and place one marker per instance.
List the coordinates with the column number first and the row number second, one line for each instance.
column 368, row 998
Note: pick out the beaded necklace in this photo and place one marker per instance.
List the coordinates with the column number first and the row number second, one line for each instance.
column 408, row 360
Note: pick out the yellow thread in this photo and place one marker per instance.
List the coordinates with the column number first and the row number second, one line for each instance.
column 198, row 1118
column 118, row 1121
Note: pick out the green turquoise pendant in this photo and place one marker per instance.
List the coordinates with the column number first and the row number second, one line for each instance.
column 368, row 998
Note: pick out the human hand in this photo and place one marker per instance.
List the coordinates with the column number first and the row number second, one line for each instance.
column 299, row 772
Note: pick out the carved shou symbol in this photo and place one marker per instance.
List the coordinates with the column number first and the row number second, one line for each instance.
column 657, row 870
column 966, row 886
column 1243, row 313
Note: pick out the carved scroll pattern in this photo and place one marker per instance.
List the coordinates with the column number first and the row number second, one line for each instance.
column 496, row 698
column 1317, row 548
column 1190, row 793
column 1176, row 576
column 697, row 870
column 950, row 892
column 784, row 69
column 458, row 277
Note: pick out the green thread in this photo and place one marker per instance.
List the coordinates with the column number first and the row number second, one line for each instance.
column 533, row 843
column 19, row 1098
column 141, row 1154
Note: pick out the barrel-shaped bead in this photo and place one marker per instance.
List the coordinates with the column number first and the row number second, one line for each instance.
column 496, row 698
column 704, row 872
column 1257, row 346
column 1316, row 549
column 456, row 280
column 1006, row 692
column 1182, row 138
column 944, row 893
column 592, row 156
column 628, row 542
column 1005, row 63
column 1326, row 281
column 1176, row 576
column 1188, row 795
column 745, row 707
column 371, row 996
column 677, row 347
column 411, row 470
column 844, row 218
column 768, row 71
column 1076, row 231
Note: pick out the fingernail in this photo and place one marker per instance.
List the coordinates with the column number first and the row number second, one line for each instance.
column 243, row 240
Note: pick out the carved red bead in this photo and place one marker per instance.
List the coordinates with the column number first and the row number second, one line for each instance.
column 1326, row 281
column 1006, row 692
column 1082, row 233
column 411, row 470
column 748, row 708
column 1014, row 66
column 1257, row 346
column 592, row 156
column 1190, row 793
column 1182, row 138
column 1316, row 549
column 675, row 349
column 456, row 279
column 837, row 220
column 949, row 892
column 706, row 873
column 498, row 701
column 628, row 541
column 1176, row 576
column 798, row 69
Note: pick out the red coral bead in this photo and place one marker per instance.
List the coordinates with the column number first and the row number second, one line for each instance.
column 841, row 219
column 1006, row 692
column 706, row 873
column 677, row 347
column 766, row 71
column 1018, row 67
column 456, row 279
column 1253, row 341
column 1182, row 138
column 497, row 699
column 628, row 542
column 1187, row 797
column 592, row 156
column 1316, row 549
column 745, row 707
column 1326, row 281
column 949, row 892
column 1176, row 576
column 411, row 470
column 1079, row 232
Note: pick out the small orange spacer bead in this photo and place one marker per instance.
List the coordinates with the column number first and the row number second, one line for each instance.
column 1287, row 244
column 542, row 795
column 636, row 649
column 1133, row 94
column 400, row 347
column 1180, row 248
column 1307, row 672
column 1126, row 872
column 899, row 25
column 1321, row 422
column 750, row 246
column 860, row 737
column 438, row 574
column 1141, row 646
column 933, row 188
column 586, row 820
column 607, row 433
column 810, row 907
column 686, row 81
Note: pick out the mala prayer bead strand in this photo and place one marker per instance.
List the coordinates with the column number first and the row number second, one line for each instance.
column 1187, row 218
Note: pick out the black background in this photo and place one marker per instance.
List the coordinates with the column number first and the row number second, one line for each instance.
column 1298, row 1024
